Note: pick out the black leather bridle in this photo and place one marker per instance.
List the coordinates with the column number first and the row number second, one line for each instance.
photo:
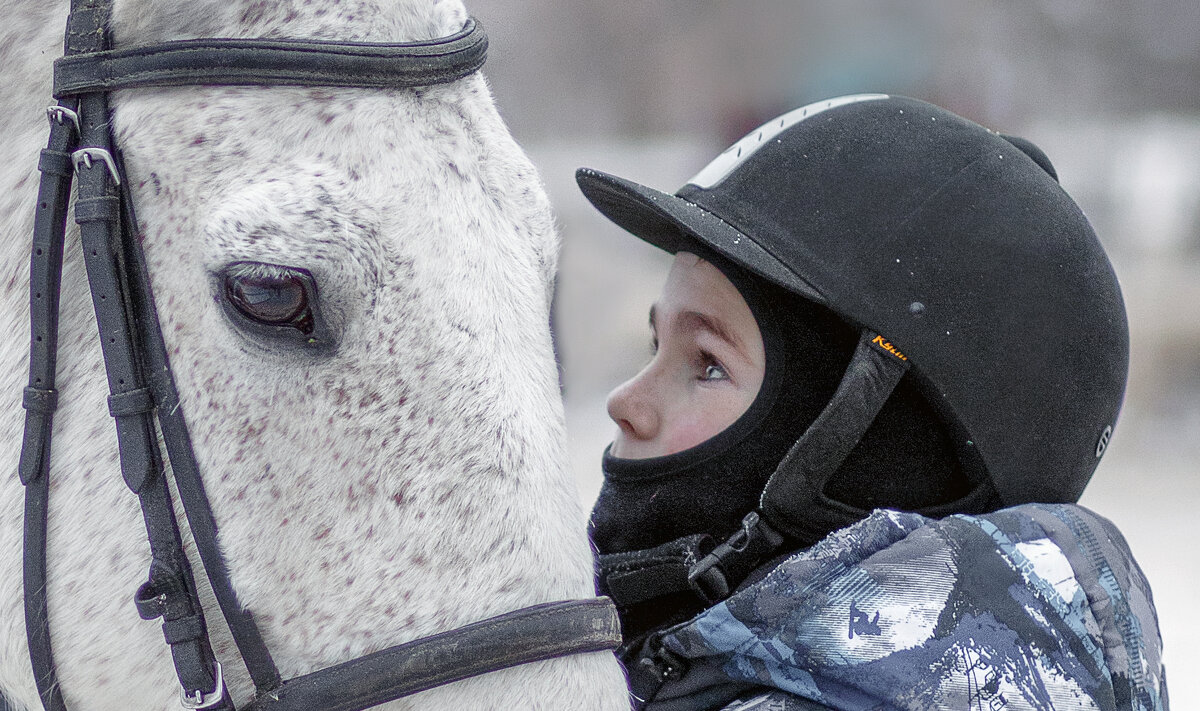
column 81, row 147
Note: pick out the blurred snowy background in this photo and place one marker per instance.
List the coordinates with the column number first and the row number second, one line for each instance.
column 652, row 89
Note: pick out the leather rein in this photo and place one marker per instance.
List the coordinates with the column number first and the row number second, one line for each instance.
column 81, row 149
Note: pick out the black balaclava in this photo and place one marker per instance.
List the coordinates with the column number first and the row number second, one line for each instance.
column 905, row 460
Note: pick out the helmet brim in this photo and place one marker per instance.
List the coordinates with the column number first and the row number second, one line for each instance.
column 674, row 224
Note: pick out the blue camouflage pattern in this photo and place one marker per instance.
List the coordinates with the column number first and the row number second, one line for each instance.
column 1034, row 607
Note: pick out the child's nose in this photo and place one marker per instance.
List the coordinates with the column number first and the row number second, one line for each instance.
column 632, row 406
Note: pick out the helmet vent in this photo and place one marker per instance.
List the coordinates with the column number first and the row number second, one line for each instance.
column 727, row 162
column 1102, row 445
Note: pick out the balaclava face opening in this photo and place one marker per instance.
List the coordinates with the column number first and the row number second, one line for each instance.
column 710, row 487
column 906, row 460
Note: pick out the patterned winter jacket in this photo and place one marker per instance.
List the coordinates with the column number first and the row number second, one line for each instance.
column 1034, row 607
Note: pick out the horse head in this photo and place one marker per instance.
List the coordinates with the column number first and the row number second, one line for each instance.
column 353, row 286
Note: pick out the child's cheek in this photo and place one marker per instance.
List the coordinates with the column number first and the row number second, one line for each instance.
column 693, row 429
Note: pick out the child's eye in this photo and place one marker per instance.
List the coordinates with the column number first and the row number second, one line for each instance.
column 714, row 371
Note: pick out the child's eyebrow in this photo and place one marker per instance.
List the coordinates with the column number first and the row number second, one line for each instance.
column 697, row 320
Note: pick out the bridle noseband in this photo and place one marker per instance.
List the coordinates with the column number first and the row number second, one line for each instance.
column 142, row 385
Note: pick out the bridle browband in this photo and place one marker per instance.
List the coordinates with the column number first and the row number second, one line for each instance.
column 275, row 63
column 142, row 385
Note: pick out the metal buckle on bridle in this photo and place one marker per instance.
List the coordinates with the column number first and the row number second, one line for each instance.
column 59, row 114
column 87, row 155
column 202, row 700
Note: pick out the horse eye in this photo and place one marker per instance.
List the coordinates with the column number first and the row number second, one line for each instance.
column 271, row 295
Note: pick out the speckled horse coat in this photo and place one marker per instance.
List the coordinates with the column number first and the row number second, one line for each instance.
column 411, row 481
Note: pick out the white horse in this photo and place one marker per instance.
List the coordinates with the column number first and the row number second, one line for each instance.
column 411, row 480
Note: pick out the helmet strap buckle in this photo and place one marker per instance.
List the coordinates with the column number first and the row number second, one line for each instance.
column 716, row 575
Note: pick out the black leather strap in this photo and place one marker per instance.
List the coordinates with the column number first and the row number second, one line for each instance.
column 98, row 232
column 98, row 212
column 40, row 398
column 184, row 468
column 130, row 403
column 527, row 635
column 37, row 620
column 45, row 275
column 275, row 63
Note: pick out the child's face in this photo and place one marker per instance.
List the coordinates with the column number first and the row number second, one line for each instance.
column 706, row 370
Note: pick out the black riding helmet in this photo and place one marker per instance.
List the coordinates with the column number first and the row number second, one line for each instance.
column 951, row 249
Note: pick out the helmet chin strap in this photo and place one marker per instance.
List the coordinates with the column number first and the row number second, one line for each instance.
column 793, row 503
column 799, row 480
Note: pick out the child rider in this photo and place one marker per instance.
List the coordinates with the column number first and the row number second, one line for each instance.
column 889, row 355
